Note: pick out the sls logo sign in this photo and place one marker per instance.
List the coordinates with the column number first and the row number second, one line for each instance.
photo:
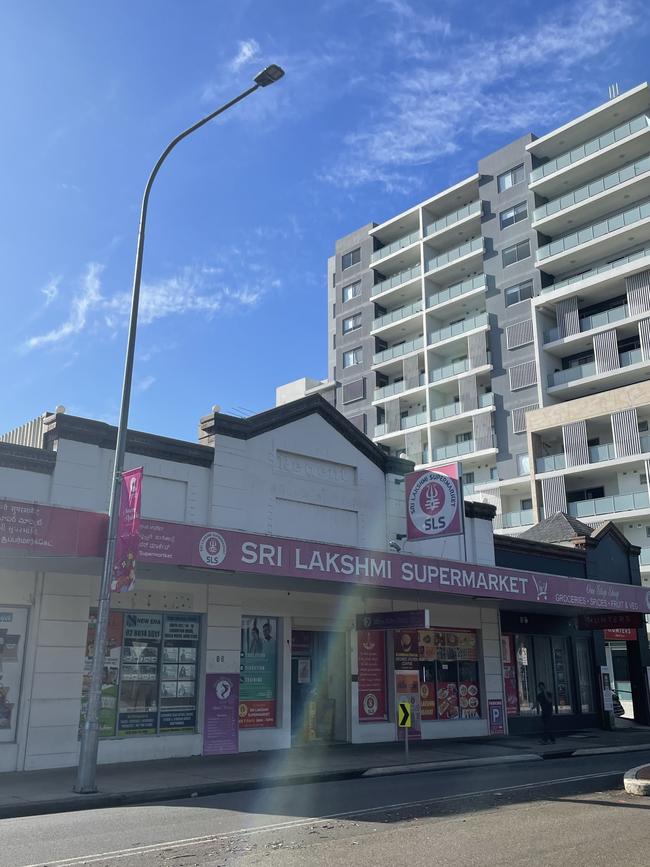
column 212, row 549
column 433, row 503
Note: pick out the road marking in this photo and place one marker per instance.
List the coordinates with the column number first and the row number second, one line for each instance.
column 297, row 823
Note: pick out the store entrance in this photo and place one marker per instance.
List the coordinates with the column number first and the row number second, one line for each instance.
column 318, row 686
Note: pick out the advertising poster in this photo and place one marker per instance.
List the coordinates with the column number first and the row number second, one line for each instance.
column 509, row 675
column 110, row 677
column 128, row 531
column 13, row 630
column 221, row 714
column 407, row 689
column 258, row 672
column 138, row 704
column 428, row 699
column 497, row 721
column 178, row 673
column 447, row 696
column 434, row 503
column 406, row 649
column 371, row 658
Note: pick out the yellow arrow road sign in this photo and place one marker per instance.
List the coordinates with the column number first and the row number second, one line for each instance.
column 404, row 716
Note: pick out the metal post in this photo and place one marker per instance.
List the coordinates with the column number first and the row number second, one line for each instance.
column 86, row 770
column 406, row 744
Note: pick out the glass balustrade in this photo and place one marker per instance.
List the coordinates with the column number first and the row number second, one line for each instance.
column 645, row 444
column 471, row 210
column 468, row 489
column 396, row 388
column 610, row 505
column 599, row 269
column 397, row 351
column 454, row 450
column 507, row 520
column 458, row 328
column 448, row 370
column 604, row 452
column 596, row 320
column 456, row 290
column 397, row 315
column 409, row 421
column 381, row 429
column 561, row 377
column 630, row 356
column 395, row 246
column 591, row 147
column 597, row 230
column 608, row 182
column 449, row 410
column 644, row 557
column 548, row 463
column 397, row 280
column 443, row 259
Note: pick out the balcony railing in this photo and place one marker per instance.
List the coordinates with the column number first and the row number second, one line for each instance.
column 596, row 320
column 409, row 421
column 397, row 279
column 453, row 369
column 381, row 429
column 397, row 315
column 591, row 147
column 588, row 191
column 395, row 388
column 456, row 290
column 406, row 241
column 610, row 505
column 604, row 452
column 471, row 210
column 597, row 230
column 625, row 359
column 600, row 269
column 509, row 520
column 458, row 328
column 449, row 410
column 644, row 557
column 454, row 450
column 630, row 356
column 399, row 350
column 443, row 259
column 548, row 463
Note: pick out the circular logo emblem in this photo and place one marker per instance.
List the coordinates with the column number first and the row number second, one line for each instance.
column 223, row 688
column 433, row 503
column 370, row 704
column 212, row 549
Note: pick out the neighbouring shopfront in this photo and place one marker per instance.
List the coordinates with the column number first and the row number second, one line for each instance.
column 13, row 632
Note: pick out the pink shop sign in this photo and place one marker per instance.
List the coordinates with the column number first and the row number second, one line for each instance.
column 51, row 531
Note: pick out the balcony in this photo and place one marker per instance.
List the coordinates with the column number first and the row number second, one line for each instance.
column 397, row 315
column 394, row 388
column 409, row 421
column 511, row 520
column 548, row 463
column 397, row 351
column 381, row 429
column 584, row 193
column 453, row 369
column 595, row 231
column 397, row 280
column 644, row 557
column 455, row 450
column 458, row 328
column 580, row 371
column 471, row 210
column 435, row 263
column 610, row 505
column 396, row 246
column 597, row 320
column 590, row 148
column 457, row 290
column 594, row 272
column 450, row 410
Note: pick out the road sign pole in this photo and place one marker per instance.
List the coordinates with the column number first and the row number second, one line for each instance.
column 406, row 744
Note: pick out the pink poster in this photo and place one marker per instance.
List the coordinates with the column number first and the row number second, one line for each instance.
column 221, row 714
column 434, row 506
column 128, row 531
column 371, row 654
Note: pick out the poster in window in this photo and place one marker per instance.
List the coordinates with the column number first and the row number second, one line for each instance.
column 110, row 676
column 510, row 675
column 258, row 672
column 178, row 684
column 13, row 630
column 406, row 649
column 138, row 702
column 371, row 662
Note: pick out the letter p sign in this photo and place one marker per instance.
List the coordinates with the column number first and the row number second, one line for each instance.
column 495, row 715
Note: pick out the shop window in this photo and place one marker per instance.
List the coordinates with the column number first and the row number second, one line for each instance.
column 585, row 676
column 526, row 686
column 13, row 631
column 529, row 659
column 562, row 675
column 258, row 672
column 150, row 673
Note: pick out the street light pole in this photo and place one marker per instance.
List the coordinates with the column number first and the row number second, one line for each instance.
column 85, row 783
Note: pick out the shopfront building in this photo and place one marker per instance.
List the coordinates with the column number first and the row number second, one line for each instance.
column 269, row 609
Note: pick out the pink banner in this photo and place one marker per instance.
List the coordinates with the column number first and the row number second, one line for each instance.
column 371, row 656
column 128, row 531
column 434, row 506
column 67, row 532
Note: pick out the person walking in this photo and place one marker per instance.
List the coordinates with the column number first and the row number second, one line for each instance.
column 545, row 708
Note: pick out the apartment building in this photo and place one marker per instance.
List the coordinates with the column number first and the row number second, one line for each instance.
column 505, row 323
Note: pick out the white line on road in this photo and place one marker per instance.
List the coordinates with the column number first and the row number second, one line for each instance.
column 297, row 823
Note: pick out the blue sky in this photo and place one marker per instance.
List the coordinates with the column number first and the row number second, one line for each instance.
column 383, row 104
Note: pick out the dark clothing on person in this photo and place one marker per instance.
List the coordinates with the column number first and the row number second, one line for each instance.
column 546, row 710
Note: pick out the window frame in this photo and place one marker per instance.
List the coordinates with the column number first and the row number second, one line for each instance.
column 358, row 317
column 512, row 174
column 357, row 350
column 515, row 248
column 344, row 289
column 353, row 261
column 517, row 215
column 518, row 287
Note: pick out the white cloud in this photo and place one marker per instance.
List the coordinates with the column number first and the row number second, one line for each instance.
column 146, row 383
column 445, row 96
column 249, row 50
column 88, row 297
column 51, row 290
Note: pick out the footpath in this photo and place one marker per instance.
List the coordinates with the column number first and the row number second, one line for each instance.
column 50, row 791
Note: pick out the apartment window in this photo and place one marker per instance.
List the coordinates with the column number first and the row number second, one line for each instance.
column 511, row 178
column 351, row 258
column 643, row 479
column 520, row 292
column 333, row 341
column 468, row 479
column 526, row 504
column 353, row 290
column 351, row 323
column 513, row 215
column 359, row 421
column 352, row 357
column 464, row 437
column 647, row 532
column 523, row 467
column 355, row 390
column 643, row 427
column 515, row 253
column 494, row 474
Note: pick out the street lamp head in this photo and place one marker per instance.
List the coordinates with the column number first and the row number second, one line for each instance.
column 269, row 75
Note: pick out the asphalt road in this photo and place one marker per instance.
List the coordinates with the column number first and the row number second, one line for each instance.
column 534, row 813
